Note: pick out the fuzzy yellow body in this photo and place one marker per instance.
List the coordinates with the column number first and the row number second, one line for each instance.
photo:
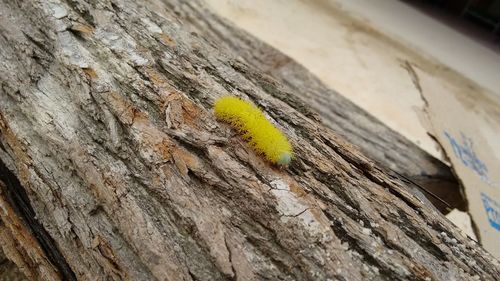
column 263, row 136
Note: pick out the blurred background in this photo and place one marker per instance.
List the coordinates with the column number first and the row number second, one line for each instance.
column 429, row 70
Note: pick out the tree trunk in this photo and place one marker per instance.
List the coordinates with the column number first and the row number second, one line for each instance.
column 113, row 166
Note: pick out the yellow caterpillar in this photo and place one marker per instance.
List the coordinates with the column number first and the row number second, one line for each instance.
column 263, row 136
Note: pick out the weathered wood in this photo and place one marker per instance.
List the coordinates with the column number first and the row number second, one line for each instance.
column 106, row 122
column 8, row 270
column 24, row 240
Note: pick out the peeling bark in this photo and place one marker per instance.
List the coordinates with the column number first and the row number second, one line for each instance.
column 106, row 123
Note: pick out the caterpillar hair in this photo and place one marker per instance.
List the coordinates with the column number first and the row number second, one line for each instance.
column 261, row 134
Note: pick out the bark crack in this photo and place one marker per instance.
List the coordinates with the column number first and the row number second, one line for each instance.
column 20, row 200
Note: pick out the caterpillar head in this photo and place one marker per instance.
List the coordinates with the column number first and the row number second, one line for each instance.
column 285, row 158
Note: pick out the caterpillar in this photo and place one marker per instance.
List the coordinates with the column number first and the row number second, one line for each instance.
column 262, row 136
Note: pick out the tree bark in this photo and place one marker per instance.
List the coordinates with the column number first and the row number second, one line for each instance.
column 113, row 166
column 8, row 270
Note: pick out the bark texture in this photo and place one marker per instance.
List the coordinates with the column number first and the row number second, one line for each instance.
column 114, row 168
column 8, row 270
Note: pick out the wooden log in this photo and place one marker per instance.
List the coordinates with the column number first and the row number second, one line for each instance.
column 116, row 169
